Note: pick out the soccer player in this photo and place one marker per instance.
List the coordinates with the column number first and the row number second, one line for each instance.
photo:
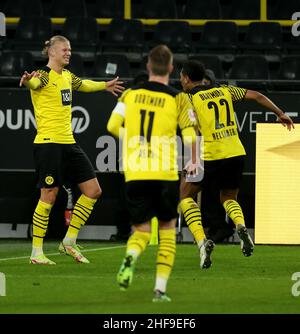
column 147, row 116
column 56, row 153
column 213, row 211
column 223, row 151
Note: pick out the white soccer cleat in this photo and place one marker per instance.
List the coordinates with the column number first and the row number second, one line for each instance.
column 247, row 244
column 74, row 251
column 40, row 259
column 206, row 249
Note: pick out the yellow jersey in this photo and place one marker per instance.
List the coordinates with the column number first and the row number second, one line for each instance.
column 151, row 113
column 52, row 106
column 216, row 120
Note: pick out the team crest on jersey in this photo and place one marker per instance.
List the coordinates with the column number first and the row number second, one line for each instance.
column 192, row 115
column 49, row 180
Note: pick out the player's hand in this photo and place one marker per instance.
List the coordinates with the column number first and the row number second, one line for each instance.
column 286, row 121
column 27, row 76
column 193, row 168
column 115, row 86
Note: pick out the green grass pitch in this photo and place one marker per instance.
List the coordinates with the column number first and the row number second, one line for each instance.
column 234, row 284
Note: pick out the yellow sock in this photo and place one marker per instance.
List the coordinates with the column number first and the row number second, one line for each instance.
column 165, row 257
column 40, row 223
column 137, row 243
column 234, row 211
column 192, row 216
column 81, row 212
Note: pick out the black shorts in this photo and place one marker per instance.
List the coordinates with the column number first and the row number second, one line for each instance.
column 227, row 173
column 57, row 164
column 152, row 198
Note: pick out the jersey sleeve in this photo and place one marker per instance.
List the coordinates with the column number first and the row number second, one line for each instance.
column 115, row 123
column 44, row 78
column 76, row 81
column 38, row 82
column 186, row 115
column 237, row 93
column 90, row 86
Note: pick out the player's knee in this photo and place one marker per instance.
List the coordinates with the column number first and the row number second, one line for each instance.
column 227, row 194
column 49, row 195
column 145, row 227
column 94, row 193
column 165, row 225
column 98, row 193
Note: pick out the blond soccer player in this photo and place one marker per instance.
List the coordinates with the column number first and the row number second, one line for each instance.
column 56, row 154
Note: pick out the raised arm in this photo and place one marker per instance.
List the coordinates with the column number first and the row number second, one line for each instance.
column 113, row 86
column 261, row 99
column 31, row 80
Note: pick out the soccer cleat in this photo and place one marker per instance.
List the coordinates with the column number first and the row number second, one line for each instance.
column 160, row 297
column 40, row 259
column 74, row 251
column 125, row 274
column 247, row 244
column 205, row 252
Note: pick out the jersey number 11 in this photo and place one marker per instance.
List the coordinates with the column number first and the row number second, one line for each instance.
column 151, row 114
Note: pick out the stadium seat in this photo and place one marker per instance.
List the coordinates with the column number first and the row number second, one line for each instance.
column 218, row 36
column 284, row 10
column 82, row 33
column 244, row 10
column 196, row 9
column 124, row 35
column 76, row 65
column 288, row 75
column 263, row 36
column 109, row 9
column 111, row 65
column 32, row 32
column 213, row 63
column 22, row 8
column 250, row 68
column 154, row 9
column 2, row 5
column 14, row 63
column 65, row 8
column 175, row 34
column 293, row 46
column 289, row 68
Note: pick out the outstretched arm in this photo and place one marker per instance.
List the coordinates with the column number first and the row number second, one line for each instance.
column 114, row 86
column 261, row 99
column 30, row 80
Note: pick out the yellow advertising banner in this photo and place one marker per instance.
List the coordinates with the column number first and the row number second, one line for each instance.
column 277, row 184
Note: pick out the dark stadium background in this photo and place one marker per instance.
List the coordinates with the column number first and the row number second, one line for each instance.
column 246, row 50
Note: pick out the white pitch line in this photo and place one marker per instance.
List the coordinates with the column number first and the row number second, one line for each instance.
column 54, row 254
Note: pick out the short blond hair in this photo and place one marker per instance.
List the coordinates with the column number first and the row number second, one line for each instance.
column 51, row 42
column 160, row 57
